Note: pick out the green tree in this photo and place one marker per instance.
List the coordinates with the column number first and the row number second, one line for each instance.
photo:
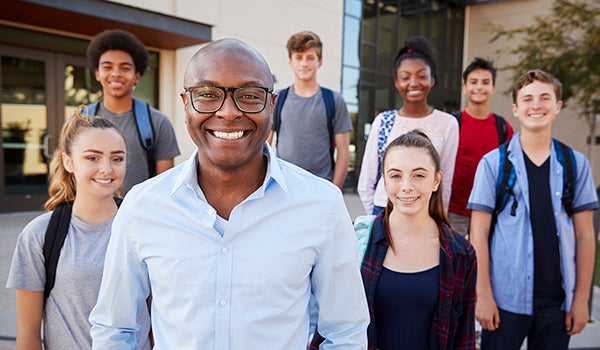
column 566, row 42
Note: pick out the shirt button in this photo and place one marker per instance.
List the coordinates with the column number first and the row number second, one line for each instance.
column 224, row 250
column 557, row 194
column 222, row 302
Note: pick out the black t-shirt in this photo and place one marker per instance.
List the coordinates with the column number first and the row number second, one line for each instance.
column 404, row 307
column 547, row 276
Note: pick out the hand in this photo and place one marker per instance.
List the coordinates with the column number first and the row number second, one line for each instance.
column 487, row 314
column 576, row 320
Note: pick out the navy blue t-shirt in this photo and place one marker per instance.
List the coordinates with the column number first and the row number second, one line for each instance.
column 547, row 279
column 404, row 307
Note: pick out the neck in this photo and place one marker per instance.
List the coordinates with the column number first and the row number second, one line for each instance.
column 415, row 111
column 93, row 210
column 536, row 145
column 478, row 111
column 306, row 88
column 118, row 105
column 224, row 189
column 417, row 226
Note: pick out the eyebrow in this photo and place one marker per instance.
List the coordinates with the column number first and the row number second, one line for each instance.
column 118, row 63
column 415, row 169
column 100, row 152
column 212, row 83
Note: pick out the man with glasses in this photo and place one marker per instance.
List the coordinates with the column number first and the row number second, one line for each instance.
column 234, row 242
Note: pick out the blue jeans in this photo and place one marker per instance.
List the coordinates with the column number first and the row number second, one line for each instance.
column 545, row 329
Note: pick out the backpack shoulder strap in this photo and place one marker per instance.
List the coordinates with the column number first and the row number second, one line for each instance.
column 329, row 101
column 330, row 109
column 91, row 109
column 566, row 157
column 387, row 122
column 56, row 232
column 501, row 128
column 504, row 186
column 278, row 107
column 458, row 116
column 143, row 121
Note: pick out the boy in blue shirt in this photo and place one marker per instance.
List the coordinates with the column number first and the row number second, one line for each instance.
column 535, row 273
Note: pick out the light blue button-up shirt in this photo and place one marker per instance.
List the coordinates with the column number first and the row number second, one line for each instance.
column 248, row 288
column 511, row 254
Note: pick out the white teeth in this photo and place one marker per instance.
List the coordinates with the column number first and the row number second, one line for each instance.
column 536, row 115
column 104, row 181
column 228, row 135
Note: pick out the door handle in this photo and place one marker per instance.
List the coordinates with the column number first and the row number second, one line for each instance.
column 46, row 145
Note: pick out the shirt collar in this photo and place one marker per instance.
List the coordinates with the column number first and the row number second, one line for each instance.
column 188, row 175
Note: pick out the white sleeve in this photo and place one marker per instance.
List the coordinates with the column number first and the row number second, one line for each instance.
column 448, row 159
column 124, row 289
column 338, row 289
column 367, row 179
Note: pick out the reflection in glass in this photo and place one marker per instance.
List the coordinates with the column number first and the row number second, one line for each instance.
column 23, row 119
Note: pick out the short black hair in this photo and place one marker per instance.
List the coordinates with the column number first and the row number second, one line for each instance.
column 480, row 63
column 417, row 47
column 117, row 39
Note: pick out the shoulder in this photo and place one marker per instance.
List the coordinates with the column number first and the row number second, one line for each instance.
column 444, row 117
column 458, row 245
column 158, row 116
column 302, row 182
column 159, row 185
column 35, row 230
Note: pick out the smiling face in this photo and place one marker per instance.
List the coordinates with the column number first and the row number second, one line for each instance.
column 305, row 64
column 414, row 80
column 228, row 139
column 410, row 179
column 479, row 86
column 97, row 161
column 536, row 106
column 116, row 73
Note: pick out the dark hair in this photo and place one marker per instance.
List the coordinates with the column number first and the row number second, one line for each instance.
column 303, row 41
column 480, row 63
column 539, row 75
column 117, row 39
column 418, row 139
column 417, row 47
column 62, row 186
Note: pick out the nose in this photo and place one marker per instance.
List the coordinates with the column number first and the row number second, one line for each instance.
column 105, row 166
column 229, row 109
column 115, row 72
column 406, row 184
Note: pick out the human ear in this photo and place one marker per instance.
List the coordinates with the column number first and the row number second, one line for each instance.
column 67, row 162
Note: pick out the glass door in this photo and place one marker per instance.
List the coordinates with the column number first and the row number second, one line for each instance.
column 25, row 115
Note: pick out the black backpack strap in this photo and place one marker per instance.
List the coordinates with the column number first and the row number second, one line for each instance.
column 501, row 128
column 56, row 232
column 143, row 121
column 278, row 107
column 54, row 239
column 566, row 157
column 504, row 187
column 458, row 116
column 329, row 101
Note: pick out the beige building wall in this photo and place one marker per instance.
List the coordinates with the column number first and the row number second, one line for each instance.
column 264, row 24
column 568, row 127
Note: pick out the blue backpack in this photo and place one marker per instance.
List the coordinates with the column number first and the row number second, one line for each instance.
column 507, row 176
column 141, row 112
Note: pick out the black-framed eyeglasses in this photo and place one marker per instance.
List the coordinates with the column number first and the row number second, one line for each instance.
column 209, row 99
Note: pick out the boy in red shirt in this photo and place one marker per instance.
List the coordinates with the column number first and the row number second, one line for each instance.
column 480, row 132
